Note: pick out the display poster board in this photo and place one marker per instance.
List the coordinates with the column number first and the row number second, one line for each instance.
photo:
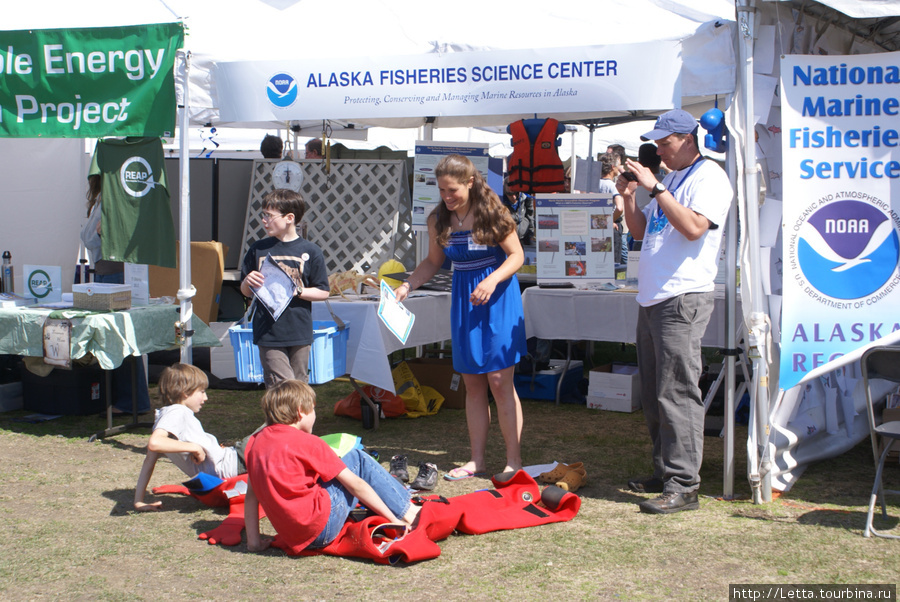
column 137, row 276
column 43, row 282
column 574, row 238
column 426, row 195
column 58, row 342
column 841, row 210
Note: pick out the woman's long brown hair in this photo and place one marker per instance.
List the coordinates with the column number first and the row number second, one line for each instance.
column 93, row 192
column 492, row 221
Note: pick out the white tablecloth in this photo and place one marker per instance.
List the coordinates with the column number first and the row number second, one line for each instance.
column 585, row 315
column 370, row 342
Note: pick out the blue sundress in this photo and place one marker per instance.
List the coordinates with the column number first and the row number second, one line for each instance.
column 486, row 337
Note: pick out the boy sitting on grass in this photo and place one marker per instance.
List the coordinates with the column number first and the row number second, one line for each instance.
column 178, row 434
column 306, row 490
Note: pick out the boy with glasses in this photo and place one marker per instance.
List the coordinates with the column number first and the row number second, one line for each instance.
column 284, row 343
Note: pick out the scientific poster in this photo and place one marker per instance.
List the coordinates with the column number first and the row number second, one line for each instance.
column 574, row 238
column 425, row 189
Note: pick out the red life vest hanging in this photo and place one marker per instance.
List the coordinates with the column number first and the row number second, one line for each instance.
column 534, row 165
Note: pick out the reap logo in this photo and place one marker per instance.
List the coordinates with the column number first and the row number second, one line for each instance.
column 39, row 284
column 136, row 176
column 848, row 249
column 282, row 90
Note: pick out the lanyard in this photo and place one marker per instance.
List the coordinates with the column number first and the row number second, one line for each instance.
column 673, row 189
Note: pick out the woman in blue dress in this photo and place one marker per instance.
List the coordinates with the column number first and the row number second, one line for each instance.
column 473, row 229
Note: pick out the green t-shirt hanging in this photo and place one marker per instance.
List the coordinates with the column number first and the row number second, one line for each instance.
column 136, row 223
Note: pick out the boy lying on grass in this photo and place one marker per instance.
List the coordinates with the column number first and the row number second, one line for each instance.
column 306, row 490
column 178, row 434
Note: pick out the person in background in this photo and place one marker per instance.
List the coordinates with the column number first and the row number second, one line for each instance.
column 521, row 207
column 473, row 228
column 681, row 233
column 618, row 152
column 271, row 147
column 314, row 149
column 608, row 172
column 284, row 343
column 112, row 272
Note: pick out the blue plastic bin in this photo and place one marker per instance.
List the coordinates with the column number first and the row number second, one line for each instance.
column 327, row 354
column 544, row 385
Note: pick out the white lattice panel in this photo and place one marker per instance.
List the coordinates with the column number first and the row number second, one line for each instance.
column 359, row 214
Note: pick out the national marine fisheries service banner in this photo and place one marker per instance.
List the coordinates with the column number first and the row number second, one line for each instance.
column 586, row 79
column 840, row 136
column 90, row 82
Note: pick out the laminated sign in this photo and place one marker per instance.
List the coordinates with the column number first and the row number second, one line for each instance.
column 89, row 82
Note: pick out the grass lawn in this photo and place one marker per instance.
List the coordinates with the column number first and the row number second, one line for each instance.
column 67, row 529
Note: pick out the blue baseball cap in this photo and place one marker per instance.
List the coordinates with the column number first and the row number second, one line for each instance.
column 677, row 121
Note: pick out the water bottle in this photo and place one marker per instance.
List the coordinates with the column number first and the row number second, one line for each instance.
column 6, row 280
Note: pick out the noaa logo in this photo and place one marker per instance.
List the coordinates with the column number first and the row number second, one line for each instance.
column 848, row 249
column 136, row 176
column 282, row 90
column 39, row 284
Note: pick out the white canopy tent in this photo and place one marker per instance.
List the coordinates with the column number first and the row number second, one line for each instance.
column 243, row 30
column 246, row 30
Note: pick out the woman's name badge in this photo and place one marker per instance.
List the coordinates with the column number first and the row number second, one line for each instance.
column 474, row 246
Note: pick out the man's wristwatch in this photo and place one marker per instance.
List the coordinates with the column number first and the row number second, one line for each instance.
column 660, row 187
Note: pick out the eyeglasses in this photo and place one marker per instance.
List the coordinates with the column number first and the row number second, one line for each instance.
column 268, row 217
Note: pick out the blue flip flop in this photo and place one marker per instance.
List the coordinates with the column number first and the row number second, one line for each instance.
column 462, row 473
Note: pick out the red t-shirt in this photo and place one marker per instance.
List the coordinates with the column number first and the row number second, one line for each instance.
column 285, row 465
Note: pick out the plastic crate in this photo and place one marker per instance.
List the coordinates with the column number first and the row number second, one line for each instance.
column 327, row 354
column 545, row 381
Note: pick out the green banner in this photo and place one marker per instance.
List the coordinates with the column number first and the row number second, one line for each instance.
column 90, row 82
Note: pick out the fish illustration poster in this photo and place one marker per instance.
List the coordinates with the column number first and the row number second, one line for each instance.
column 840, row 225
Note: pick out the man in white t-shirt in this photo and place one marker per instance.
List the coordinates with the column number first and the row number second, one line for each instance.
column 681, row 230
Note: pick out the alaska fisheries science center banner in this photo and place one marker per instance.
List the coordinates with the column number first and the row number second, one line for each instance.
column 841, row 202
column 90, row 82
column 503, row 82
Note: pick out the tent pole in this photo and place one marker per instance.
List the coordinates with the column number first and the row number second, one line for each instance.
column 185, row 288
column 731, row 238
column 590, row 159
column 422, row 236
column 758, row 432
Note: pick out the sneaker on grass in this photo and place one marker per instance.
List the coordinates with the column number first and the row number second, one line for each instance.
column 427, row 477
column 399, row 469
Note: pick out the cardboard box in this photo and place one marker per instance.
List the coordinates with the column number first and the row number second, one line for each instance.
column 543, row 384
column 614, row 387
column 207, row 268
column 612, row 404
column 438, row 373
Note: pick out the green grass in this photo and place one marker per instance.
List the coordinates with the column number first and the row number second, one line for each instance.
column 67, row 529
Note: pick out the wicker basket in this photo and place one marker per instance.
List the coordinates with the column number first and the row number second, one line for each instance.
column 101, row 296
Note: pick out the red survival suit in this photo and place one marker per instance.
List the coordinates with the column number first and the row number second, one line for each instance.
column 516, row 502
column 534, row 165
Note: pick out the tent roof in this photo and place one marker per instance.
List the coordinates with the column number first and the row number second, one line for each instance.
column 875, row 21
column 232, row 30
